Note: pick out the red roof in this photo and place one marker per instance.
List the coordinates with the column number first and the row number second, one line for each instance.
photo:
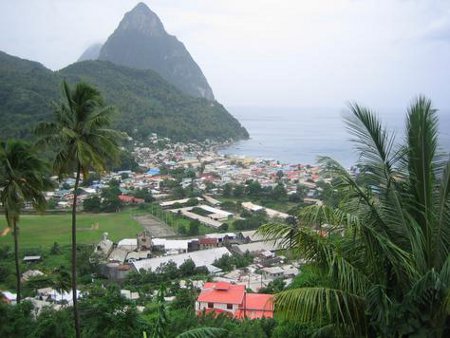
column 222, row 293
column 251, row 314
column 130, row 199
column 257, row 305
column 126, row 198
column 259, row 301
column 222, row 286
column 208, row 241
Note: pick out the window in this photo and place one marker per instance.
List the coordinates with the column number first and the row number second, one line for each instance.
column 230, row 306
column 210, row 305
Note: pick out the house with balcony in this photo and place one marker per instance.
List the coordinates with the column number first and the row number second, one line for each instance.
column 232, row 299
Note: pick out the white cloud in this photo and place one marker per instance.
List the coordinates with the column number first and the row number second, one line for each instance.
column 266, row 52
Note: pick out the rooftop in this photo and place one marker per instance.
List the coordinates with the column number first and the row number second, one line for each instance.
column 222, row 292
column 200, row 258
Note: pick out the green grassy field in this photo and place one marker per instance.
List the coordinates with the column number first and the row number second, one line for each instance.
column 44, row 230
column 283, row 206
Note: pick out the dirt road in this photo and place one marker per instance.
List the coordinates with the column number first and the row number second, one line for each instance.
column 155, row 226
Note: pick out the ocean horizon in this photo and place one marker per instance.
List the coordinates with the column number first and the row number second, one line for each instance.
column 301, row 135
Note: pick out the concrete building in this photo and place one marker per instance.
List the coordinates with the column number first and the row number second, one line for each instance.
column 201, row 258
column 273, row 272
column 227, row 298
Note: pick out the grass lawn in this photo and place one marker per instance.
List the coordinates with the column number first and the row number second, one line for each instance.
column 44, row 230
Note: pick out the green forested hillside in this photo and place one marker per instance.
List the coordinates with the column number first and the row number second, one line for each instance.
column 146, row 103
column 26, row 90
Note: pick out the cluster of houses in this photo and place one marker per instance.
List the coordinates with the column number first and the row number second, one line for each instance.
column 227, row 293
column 146, row 253
column 212, row 215
column 212, row 169
column 221, row 169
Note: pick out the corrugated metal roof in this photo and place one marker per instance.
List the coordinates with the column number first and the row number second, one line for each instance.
column 200, row 258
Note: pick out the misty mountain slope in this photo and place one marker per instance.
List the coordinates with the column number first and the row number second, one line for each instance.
column 140, row 41
column 91, row 53
column 146, row 102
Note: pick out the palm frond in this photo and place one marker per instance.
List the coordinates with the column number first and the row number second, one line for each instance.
column 363, row 195
column 421, row 134
column 441, row 231
column 323, row 305
column 203, row 332
column 374, row 143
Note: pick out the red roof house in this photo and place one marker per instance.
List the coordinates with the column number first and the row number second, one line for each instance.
column 130, row 199
column 257, row 305
column 223, row 297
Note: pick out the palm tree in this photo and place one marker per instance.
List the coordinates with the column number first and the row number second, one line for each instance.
column 384, row 268
column 22, row 179
column 160, row 327
column 82, row 140
column 61, row 281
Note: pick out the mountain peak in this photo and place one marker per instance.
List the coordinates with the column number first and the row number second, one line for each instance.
column 141, row 7
column 141, row 42
column 91, row 53
column 142, row 19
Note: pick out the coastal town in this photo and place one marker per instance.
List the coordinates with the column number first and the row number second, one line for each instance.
column 224, row 169
column 194, row 183
column 203, row 170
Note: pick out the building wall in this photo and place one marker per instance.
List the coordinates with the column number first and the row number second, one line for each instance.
column 269, row 275
column 200, row 306
column 128, row 247
column 252, row 314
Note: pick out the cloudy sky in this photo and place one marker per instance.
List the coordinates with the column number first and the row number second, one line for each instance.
column 266, row 52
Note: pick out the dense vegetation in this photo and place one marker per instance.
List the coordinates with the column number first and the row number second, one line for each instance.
column 26, row 90
column 105, row 313
column 22, row 180
column 146, row 103
column 383, row 263
column 82, row 141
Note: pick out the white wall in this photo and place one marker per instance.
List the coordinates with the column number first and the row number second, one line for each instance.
column 200, row 306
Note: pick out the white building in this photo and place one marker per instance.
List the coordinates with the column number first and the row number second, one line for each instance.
column 200, row 258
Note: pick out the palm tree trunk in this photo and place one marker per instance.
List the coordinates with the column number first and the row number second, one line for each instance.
column 16, row 258
column 76, row 315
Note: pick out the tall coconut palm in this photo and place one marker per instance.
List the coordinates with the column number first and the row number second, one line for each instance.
column 83, row 141
column 22, row 179
column 385, row 265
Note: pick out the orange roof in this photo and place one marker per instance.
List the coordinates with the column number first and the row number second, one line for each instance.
column 257, row 305
column 251, row 314
column 222, row 286
column 222, row 292
column 259, row 301
column 130, row 199
column 125, row 198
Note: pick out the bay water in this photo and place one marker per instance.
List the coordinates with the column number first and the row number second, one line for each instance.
column 300, row 135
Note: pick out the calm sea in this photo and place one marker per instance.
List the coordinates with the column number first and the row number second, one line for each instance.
column 298, row 135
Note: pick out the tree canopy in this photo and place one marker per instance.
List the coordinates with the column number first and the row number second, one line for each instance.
column 382, row 253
